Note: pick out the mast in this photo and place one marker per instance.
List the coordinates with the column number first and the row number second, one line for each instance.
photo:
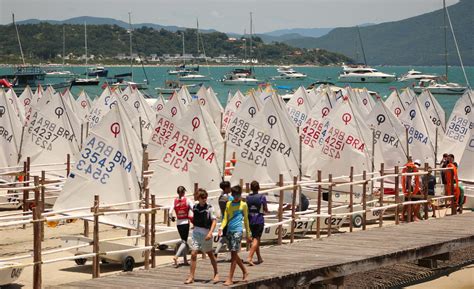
column 251, row 24
column 19, row 41
column 197, row 34
column 85, row 45
column 130, row 37
column 445, row 41
column 245, row 45
column 64, row 44
column 361, row 45
column 184, row 58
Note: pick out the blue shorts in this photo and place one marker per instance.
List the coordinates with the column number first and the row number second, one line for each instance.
column 199, row 242
column 234, row 239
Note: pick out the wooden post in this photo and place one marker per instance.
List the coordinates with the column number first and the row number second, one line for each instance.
column 37, row 202
column 293, row 208
column 68, row 165
column 364, row 200
column 95, row 243
column 410, row 208
column 247, row 190
column 318, row 209
column 425, row 190
column 382, row 172
column 408, row 145
column 37, row 272
column 153, row 222
column 397, row 196
column 86, row 228
column 330, row 206
column 351, row 198
column 43, row 181
column 196, row 188
column 280, row 210
column 26, row 193
column 147, row 223
column 241, row 183
column 223, row 162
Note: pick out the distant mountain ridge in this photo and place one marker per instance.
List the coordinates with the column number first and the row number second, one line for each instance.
column 417, row 40
column 108, row 21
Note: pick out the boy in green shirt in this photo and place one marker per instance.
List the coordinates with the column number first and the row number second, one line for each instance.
column 236, row 211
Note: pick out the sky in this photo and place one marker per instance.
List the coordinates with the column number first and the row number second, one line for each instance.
column 226, row 15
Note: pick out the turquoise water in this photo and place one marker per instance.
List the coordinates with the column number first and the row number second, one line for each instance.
column 158, row 75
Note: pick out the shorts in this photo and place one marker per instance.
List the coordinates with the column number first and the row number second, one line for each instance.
column 257, row 230
column 199, row 242
column 234, row 239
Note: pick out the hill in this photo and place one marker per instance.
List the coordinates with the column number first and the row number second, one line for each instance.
column 308, row 32
column 414, row 41
column 43, row 42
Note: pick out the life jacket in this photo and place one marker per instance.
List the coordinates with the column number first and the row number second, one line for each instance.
column 254, row 203
column 181, row 208
column 223, row 199
column 407, row 180
column 202, row 216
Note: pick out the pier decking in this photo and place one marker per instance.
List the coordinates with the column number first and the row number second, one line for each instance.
column 313, row 260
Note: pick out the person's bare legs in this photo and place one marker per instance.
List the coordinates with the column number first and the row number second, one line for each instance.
column 252, row 251
column 416, row 212
column 192, row 271
column 245, row 273
column 215, row 279
column 233, row 263
column 259, row 257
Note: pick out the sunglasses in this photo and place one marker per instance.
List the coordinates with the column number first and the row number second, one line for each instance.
column 203, row 198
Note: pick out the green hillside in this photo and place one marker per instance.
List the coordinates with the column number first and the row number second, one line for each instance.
column 414, row 41
column 43, row 42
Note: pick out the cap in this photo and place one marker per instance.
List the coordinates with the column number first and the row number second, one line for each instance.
column 417, row 162
column 181, row 189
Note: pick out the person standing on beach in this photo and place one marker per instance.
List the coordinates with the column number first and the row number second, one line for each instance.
column 451, row 177
column 410, row 185
column 181, row 208
column 235, row 213
column 430, row 181
column 204, row 221
column 223, row 199
column 257, row 205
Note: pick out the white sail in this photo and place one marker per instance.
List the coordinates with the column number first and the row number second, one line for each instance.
column 10, row 132
column 459, row 129
column 407, row 96
column 232, row 106
column 210, row 103
column 52, row 131
column 109, row 165
column 101, row 106
column 192, row 154
column 394, row 103
column 433, row 110
column 313, row 97
column 26, row 98
column 15, row 101
column 389, row 136
column 266, row 144
column 82, row 106
column 343, row 141
column 38, row 94
column 466, row 167
column 184, row 96
column 420, row 144
column 159, row 104
column 299, row 106
column 69, row 98
column 163, row 128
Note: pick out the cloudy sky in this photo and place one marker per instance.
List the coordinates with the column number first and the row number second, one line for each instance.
column 226, row 15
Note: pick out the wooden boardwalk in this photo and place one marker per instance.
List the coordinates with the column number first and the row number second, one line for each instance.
column 315, row 260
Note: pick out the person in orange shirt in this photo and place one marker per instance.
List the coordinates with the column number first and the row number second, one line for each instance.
column 410, row 184
column 452, row 181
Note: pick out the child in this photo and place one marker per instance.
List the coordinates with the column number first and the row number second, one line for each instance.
column 257, row 204
column 223, row 199
column 236, row 212
column 204, row 222
column 181, row 208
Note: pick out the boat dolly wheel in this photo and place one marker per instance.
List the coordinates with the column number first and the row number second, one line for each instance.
column 80, row 261
column 357, row 221
column 128, row 263
column 162, row 247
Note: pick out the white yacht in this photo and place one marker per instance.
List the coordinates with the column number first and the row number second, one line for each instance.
column 288, row 73
column 416, row 75
column 439, row 87
column 193, row 76
column 364, row 74
column 239, row 79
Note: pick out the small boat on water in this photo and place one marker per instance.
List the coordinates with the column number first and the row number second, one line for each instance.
column 416, row 75
column 59, row 74
column 183, row 69
column 363, row 73
column 240, row 76
column 85, row 81
column 288, row 73
column 29, row 75
column 193, row 76
column 437, row 86
column 172, row 86
column 98, row 71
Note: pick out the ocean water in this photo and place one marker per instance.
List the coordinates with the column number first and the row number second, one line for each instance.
column 157, row 75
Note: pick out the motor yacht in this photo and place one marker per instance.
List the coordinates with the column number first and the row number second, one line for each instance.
column 98, row 71
column 437, row 86
column 364, row 74
column 288, row 73
column 416, row 75
column 193, row 76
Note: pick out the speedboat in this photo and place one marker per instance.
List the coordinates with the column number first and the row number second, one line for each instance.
column 193, row 76
column 364, row 73
column 172, row 86
column 183, row 69
column 439, row 87
column 85, row 81
column 416, row 75
column 59, row 74
column 288, row 73
column 98, row 71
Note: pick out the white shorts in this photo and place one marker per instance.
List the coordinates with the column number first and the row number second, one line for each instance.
column 199, row 242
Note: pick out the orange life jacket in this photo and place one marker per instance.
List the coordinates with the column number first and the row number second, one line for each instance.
column 410, row 167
